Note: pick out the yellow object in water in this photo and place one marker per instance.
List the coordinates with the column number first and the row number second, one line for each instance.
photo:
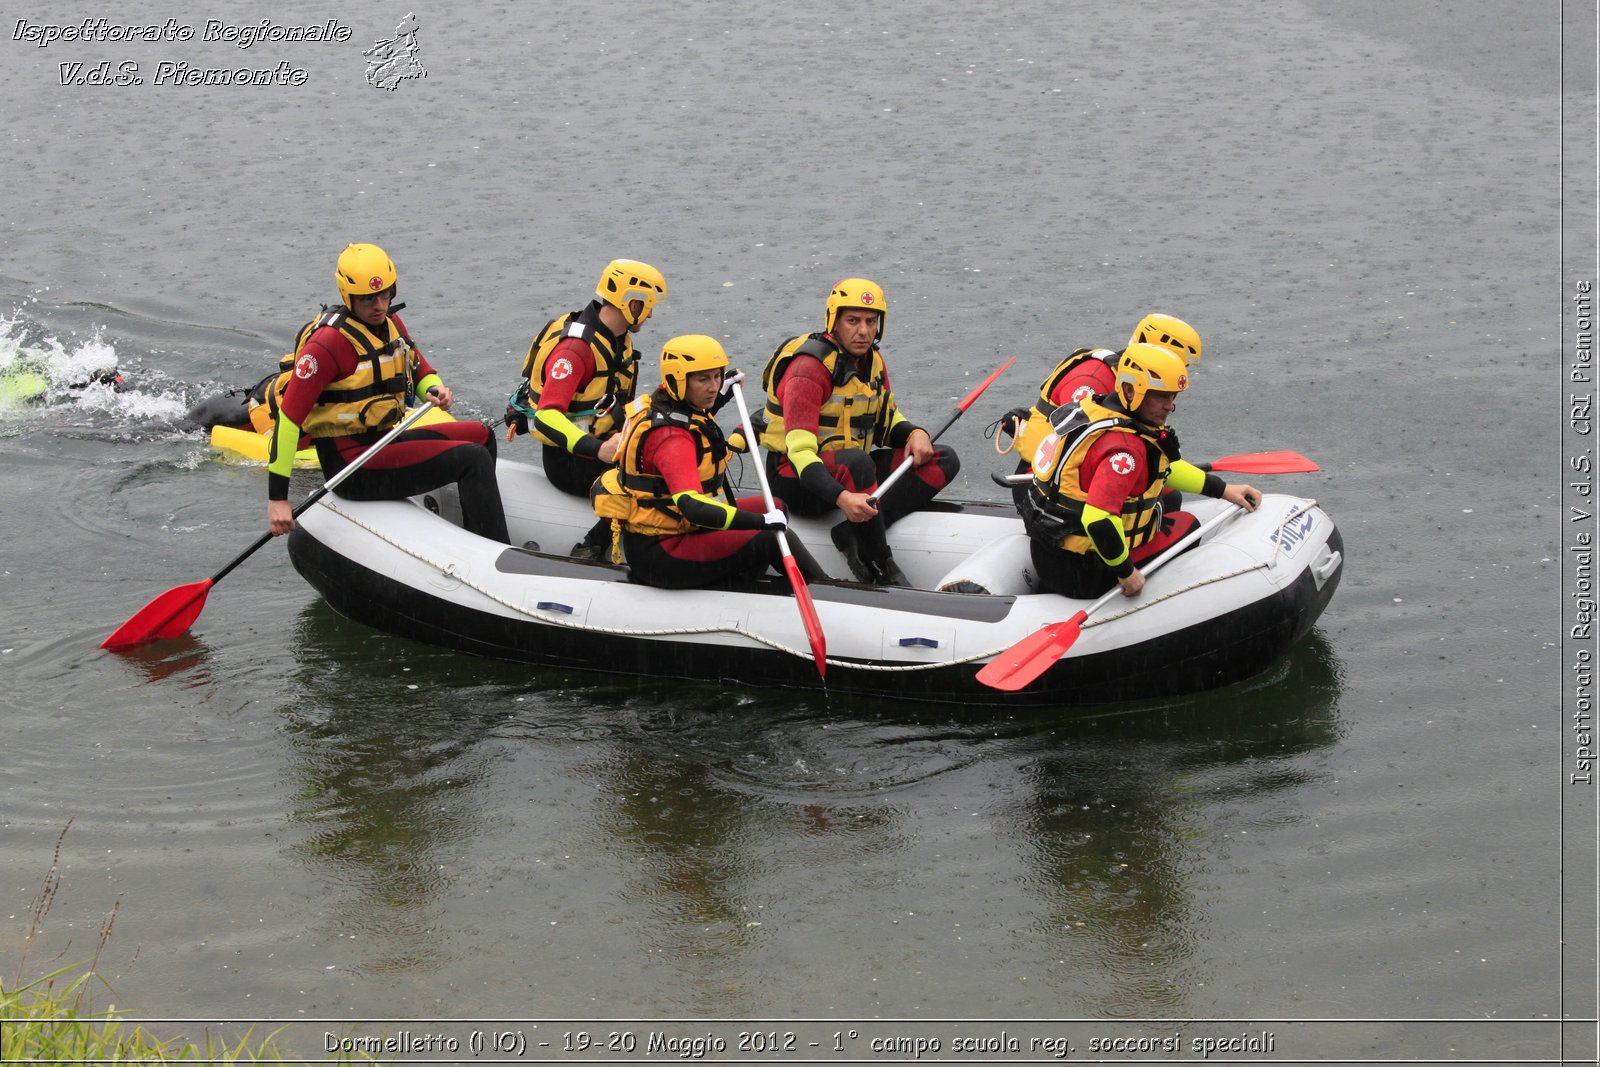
column 245, row 442
column 21, row 385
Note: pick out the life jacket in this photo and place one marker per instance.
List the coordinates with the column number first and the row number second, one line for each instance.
column 857, row 413
column 597, row 407
column 1037, row 428
column 1053, row 511
column 266, row 396
column 640, row 500
column 374, row 396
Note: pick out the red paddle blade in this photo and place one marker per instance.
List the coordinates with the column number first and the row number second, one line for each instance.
column 1032, row 656
column 168, row 615
column 977, row 392
column 1266, row 463
column 808, row 615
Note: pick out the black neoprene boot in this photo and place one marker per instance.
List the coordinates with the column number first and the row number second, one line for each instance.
column 889, row 572
column 846, row 540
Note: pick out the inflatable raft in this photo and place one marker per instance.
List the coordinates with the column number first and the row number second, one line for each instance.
column 1216, row 614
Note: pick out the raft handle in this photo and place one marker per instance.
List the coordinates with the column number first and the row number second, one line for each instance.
column 1323, row 568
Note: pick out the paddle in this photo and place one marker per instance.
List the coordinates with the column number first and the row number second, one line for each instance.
column 802, row 593
column 959, row 410
column 1248, row 463
column 1263, row 463
column 1033, row 655
column 171, row 613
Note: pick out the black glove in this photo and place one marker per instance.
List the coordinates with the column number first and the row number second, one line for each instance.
column 516, row 420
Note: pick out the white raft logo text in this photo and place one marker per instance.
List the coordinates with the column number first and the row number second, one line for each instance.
column 1292, row 534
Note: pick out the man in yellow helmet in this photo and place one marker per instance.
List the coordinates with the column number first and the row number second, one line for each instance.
column 354, row 373
column 1099, row 502
column 1090, row 372
column 579, row 376
column 833, row 430
column 671, row 463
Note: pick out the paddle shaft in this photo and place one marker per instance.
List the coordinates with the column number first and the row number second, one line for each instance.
column 761, row 470
column 955, row 413
column 808, row 610
column 1150, row 566
column 322, row 491
column 173, row 611
column 354, row 465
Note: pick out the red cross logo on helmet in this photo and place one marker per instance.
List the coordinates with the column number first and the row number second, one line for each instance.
column 866, row 299
column 374, row 283
column 1123, row 463
column 1183, row 382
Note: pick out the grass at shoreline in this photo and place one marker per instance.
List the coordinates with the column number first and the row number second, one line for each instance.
column 51, row 1019
column 41, row 1024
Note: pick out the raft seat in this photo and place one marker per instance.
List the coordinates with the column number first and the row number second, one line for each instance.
column 1002, row 567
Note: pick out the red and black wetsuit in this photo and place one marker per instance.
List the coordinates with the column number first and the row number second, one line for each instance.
column 420, row 459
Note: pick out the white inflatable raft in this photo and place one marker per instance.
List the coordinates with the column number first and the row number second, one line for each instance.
column 1216, row 614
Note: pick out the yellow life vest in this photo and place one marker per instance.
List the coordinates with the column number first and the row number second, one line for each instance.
column 1038, row 425
column 641, row 501
column 858, row 413
column 265, row 399
column 374, row 396
column 597, row 407
column 1055, row 499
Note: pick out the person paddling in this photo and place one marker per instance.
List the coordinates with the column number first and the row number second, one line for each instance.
column 672, row 460
column 1088, row 372
column 1095, row 507
column 354, row 372
column 834, row 430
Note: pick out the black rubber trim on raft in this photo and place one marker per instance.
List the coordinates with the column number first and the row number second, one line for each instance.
column 1209, row 654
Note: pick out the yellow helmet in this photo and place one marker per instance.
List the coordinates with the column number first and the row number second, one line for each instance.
column 626, row 280
column 1168, row 332
column 1147, row 367
column 364, row 270
column 686, row 355
column 857, row 293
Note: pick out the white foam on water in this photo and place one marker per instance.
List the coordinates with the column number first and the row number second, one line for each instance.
column 66, row 373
